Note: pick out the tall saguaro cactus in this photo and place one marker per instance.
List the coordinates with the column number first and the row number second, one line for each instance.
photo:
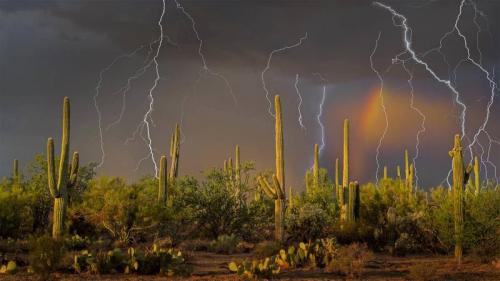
column 460, row 177
column 175, row 144
column 163, row 182
column 67, row 174
column 345, row 171
column 385, row 172
column 276, row 190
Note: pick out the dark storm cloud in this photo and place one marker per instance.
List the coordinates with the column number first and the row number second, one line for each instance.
column 54, row 48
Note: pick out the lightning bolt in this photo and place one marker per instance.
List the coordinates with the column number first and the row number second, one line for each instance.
column 408, row 46
column 268, row 66
column 148, row 115
column 422, row 116
column 299, row 95
column 205, row 68
column 320, row 112
column 382, row 105
column 97, row 94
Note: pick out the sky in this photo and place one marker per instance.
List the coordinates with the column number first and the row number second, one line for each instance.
column 88, row 50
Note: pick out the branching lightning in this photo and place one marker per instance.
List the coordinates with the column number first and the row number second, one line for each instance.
column 205, row 68
column 320, row 112
column 382, row 105
column 96, row 97
column 268, row 66
column 421, row 130
column 448, row 82
column 148, row 115
column 299, row 107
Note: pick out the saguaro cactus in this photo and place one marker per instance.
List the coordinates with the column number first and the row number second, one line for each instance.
column 15, row 172
column 411, row 176
column 477, row 181
column 67, row 174
column 175, row 144
column 407, row 165
column 385, row 172
column 163, row 182
column 354, row 202
column 233, row 174
column 276, row 190
column 316, row 168
column 337, row 185
column 460, row 177
column 345, row 169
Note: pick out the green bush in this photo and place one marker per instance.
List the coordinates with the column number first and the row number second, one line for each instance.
column 225, row 244
column 45, row 254
column 307, row 221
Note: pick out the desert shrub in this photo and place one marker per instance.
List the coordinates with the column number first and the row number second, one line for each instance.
column 225, row 244
column 76, row 242
column 216, row 211
column 266, row 248
column 195, row 245
column 394, row 219
column 176, row 221
column 260, row 223
column 45, row 255
column 481, row 223
column 118, row 208
column 16, row 223
column 423, row 272
column 350, row 260
column 307, row 221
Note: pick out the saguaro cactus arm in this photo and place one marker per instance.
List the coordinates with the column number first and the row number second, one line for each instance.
column 74, row 169
column 54, row 191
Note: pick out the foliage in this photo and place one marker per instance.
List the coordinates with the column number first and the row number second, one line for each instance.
column 45, row 254
column 9, row 268
column 350, row 260
column 119, row 208
column 306, row 221
column 225, row 244
column 255, row 269
column 151, row 261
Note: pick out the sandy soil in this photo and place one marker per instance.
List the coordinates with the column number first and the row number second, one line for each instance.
column 208, row 266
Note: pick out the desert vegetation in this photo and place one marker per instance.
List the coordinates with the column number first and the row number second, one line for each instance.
column 56, row 215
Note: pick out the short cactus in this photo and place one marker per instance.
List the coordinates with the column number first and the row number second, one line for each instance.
column 163, row 182
column 353, row 202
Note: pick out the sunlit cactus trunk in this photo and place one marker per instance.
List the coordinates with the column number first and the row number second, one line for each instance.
column 276, row 190
column 175, row 144
column 16, row 177
column 163, row 182
column 460, row 177
column 345, row 169
column 337, row 186
column 477, row 181
column 354, row 202
column 67, row 174
column 316, row 168
column 385, row 172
